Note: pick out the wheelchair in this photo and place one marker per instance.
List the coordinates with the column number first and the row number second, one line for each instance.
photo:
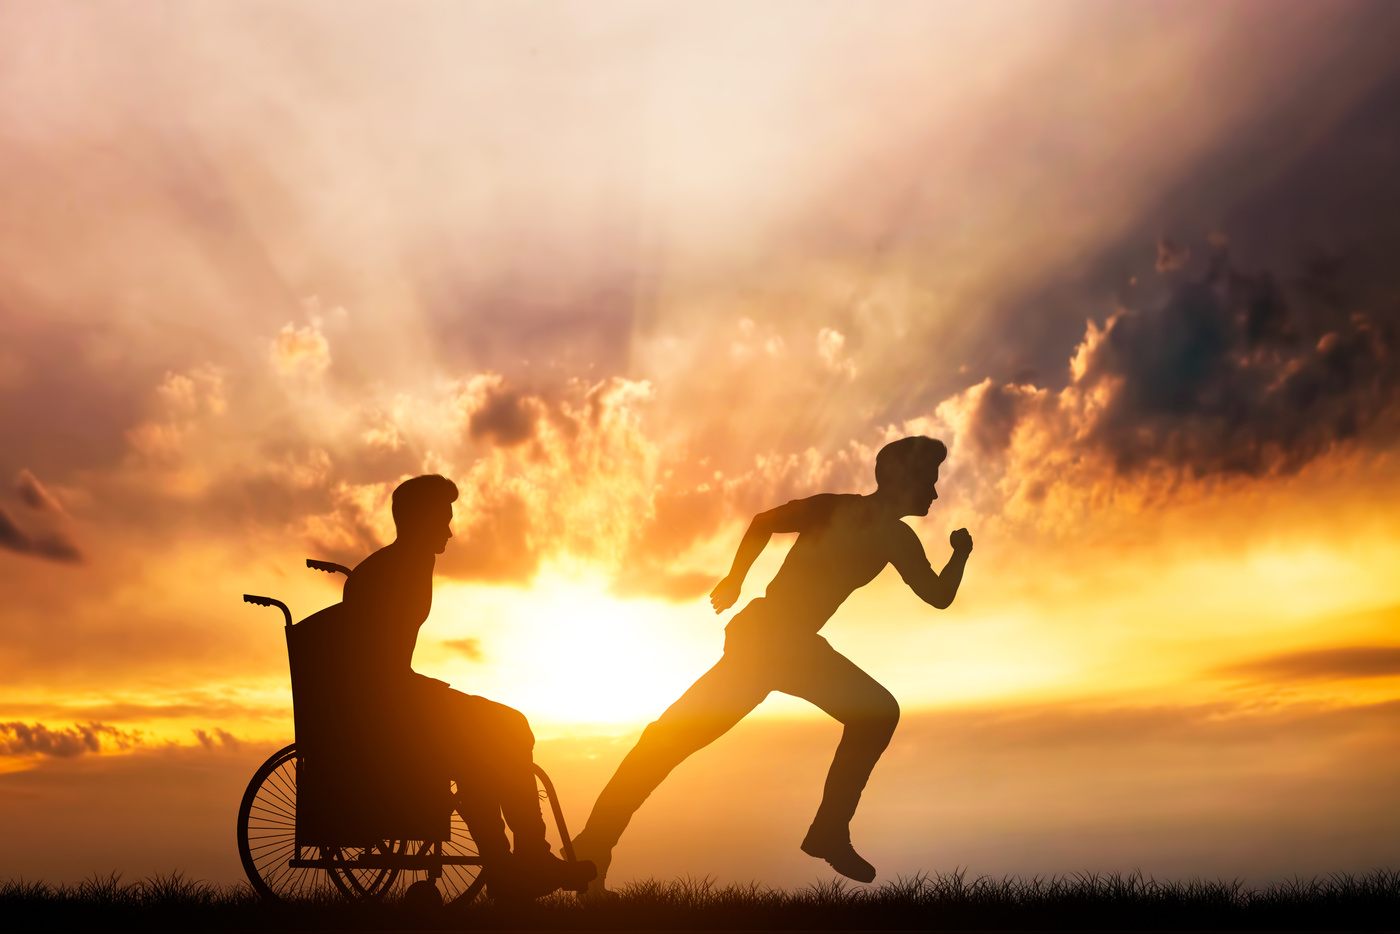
column 358, row 804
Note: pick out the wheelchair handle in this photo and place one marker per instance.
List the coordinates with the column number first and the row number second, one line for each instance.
column 268, row 601
column 330, row 567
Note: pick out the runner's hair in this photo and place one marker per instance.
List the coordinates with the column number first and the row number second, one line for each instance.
column 901, row 458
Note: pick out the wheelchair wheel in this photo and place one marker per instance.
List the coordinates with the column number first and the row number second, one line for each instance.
column 266, row 842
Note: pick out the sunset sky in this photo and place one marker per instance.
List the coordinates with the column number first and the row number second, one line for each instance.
column 630, row 272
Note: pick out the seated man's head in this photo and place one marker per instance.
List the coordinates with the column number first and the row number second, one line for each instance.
column 906, row 472
column 423, row 511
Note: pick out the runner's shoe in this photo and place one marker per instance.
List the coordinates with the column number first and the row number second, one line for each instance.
column 840, row 855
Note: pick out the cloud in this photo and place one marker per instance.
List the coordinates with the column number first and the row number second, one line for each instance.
column 468, row 648
column 301, row 351
column 212, row 708
column 33, row 494
column 185, row 403
column 505, row 417
column 1172, row 256
column 10, row 535
column 217, row 738
column 831, row 346
column 51, row 545
column 36, row 739
column 1231, row 375
column 1361, row 661
column 580, row 487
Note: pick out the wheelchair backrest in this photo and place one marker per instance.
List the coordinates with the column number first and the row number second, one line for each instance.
column 365, row 771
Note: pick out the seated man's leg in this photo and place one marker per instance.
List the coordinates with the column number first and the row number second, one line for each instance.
column 870, row 713
column 494, row 767
column 478, row 792
column 504, row 746
column 722, row 697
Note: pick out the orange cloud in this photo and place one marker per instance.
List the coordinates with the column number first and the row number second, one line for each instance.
column 36, row 739
column 1361, row 661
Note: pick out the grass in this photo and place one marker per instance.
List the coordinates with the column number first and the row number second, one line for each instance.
column 923, row 902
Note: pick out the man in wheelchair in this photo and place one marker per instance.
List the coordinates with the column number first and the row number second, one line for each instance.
column 488, row 747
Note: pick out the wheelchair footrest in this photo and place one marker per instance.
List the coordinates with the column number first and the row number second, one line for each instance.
column 404, row 861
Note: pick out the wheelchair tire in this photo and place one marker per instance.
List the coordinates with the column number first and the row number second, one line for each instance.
column 266, row 842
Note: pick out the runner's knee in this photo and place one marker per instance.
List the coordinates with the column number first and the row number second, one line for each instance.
column 883, row 716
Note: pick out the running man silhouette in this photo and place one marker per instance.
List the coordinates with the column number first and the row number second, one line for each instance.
column 489, row 747
column 843, row 541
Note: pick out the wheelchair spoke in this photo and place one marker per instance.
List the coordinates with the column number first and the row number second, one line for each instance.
column 267, row 831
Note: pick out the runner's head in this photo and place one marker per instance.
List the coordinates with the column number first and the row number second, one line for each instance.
column 907, row 471
column 423, row 511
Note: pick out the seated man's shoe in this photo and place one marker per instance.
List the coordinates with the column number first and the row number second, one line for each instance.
column 840, row 855
column 578, row 875
column 542, row 873
column 585, row 851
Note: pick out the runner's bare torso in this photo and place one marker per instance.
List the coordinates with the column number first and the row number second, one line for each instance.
column 844, row 541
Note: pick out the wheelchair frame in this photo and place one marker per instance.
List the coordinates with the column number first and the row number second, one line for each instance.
column 268, row 813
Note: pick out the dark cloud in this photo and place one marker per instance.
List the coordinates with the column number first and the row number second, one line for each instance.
column 56, row 547
column 27, row 739
column 1313, row 172
column 33, row 494
column 1361, row 661
column 506, row 418
column 10, row 535
column 51, row 545
column 994, row 418
column 1231, row 373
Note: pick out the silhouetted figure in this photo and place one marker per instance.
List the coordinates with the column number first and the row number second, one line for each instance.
column 843, row 541
column 489, row 746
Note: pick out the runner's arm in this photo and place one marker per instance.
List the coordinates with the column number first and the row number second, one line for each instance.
column 796, row 516
column 907, row 556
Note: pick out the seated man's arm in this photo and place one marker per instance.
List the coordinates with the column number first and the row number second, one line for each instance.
column 907, row 556
column 795, row 516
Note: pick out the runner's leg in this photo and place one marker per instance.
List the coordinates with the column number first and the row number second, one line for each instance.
column 722, row 697
column 820, row 674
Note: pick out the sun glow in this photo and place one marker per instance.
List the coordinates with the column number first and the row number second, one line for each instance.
column 565, row 651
